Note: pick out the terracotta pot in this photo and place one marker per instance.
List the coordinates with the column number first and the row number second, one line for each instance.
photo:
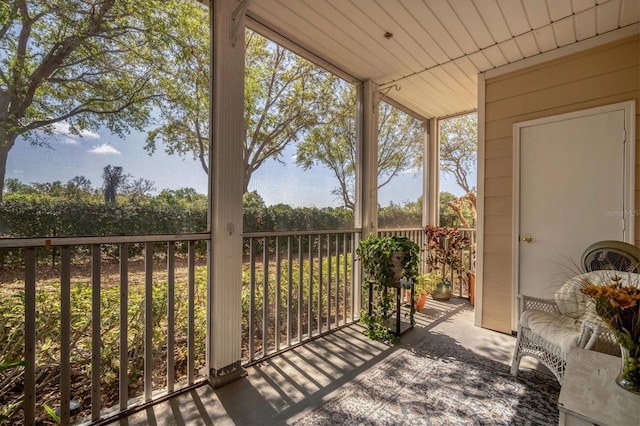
column 419, row 303
column 422, row 300
column 471, row 279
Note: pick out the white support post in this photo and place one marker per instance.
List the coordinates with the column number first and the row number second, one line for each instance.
column 225, row 192
column 426, row 179
column 480, row 204
column 366, row 208
column 433, row 171
column 367, row 167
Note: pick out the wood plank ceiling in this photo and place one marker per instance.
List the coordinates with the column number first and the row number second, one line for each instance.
column 437, row 47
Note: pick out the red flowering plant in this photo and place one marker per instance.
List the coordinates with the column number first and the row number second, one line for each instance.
column 444, row 249
column 619, row 306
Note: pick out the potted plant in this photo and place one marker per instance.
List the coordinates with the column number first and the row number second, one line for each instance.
column 444, row 248
column 424, row 285
column 385, row 262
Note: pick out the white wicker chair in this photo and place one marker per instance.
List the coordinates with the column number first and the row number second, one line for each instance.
column 549, row 328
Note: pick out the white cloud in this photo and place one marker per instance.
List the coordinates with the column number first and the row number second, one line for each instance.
column 104, row 149
column 70, row 141
column 63, row 128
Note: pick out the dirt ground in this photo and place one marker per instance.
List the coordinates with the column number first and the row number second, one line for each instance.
column 13, row 279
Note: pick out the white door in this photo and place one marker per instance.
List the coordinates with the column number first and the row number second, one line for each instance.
column 572, row 190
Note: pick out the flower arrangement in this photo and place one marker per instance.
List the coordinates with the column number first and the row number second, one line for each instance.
column 619, row 306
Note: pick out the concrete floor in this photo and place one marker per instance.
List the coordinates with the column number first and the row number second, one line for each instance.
column 284, row 387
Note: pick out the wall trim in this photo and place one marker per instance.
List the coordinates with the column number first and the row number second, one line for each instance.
column 560, row 52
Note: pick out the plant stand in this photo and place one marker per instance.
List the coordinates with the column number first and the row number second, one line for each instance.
column 396, row 325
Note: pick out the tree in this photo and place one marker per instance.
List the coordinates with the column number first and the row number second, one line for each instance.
column 254, row 209
column 113, row 179
column 459, row 148
column 448, row 217
column 182, row 84
column 85, row 63
column 137, row 188
column 284, row 98
column 465, row 208
column 333, row 144
column 14, row 186
column 458, row 156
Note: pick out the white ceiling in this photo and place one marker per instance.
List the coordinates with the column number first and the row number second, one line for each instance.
column 438, row 46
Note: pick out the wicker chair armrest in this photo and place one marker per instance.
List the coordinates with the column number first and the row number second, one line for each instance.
column 598, row 337
column 538, row 304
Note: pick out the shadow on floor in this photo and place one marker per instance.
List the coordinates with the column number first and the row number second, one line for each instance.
column 280, row 388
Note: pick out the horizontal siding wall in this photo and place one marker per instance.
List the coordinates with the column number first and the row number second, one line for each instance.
column 604, row 75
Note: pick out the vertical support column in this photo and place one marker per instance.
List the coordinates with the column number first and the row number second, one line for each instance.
column 367, row 168
column 225, row 191
column 477, row 321
column 426, row 178
column 433, row 173
column 366, row 209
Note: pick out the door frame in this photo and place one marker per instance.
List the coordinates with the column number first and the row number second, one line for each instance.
column 629, row 181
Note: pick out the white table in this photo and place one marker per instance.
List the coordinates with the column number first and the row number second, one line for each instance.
column 590, row 394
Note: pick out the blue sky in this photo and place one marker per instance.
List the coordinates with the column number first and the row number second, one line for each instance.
column 70, row 156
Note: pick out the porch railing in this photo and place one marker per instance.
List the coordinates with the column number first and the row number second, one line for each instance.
column 87, row 332
column 118, row 322
column 298, row 286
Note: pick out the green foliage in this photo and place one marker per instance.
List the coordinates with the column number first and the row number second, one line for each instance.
column 37, row 216
column 182, row 86
column 447, row 216
column 426, row 283
column 52, row 413
column 285, row 97
column 5, row 410
column 378, row 255
column 303, row 281
column 408, row 215
column 48, row 337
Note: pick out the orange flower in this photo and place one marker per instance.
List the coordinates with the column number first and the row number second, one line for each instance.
column 618, row 306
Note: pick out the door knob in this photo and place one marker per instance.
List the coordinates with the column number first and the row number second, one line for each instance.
column 527, row 238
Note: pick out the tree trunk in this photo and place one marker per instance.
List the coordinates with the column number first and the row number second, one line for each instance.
column 5, row 147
